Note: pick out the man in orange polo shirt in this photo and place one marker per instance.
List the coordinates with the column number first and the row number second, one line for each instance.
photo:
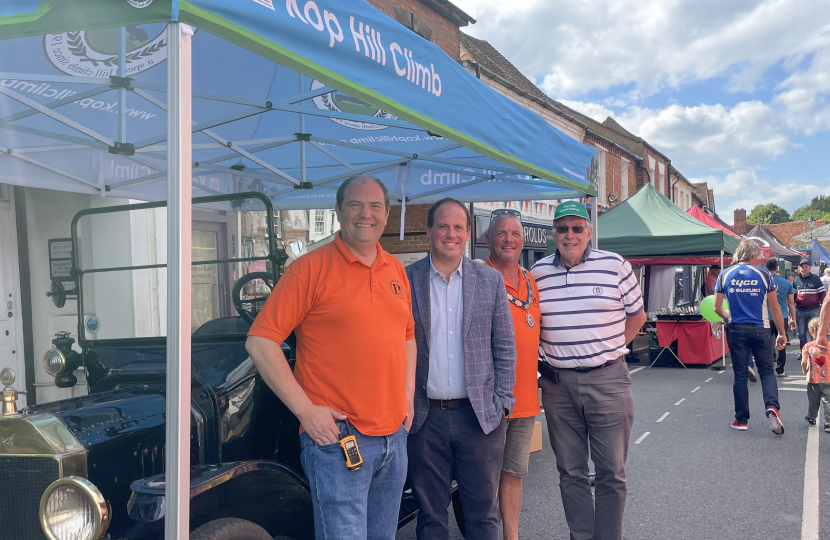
column 349, row 304
column 506, row 240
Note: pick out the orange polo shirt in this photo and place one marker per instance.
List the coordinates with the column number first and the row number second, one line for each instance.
column 352, row 323
column 526, row 389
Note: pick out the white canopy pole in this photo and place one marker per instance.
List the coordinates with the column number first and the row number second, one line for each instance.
column 723, row 326
column 594, row 214
column 179, row 160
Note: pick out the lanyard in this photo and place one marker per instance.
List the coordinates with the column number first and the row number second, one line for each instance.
column 518, row 303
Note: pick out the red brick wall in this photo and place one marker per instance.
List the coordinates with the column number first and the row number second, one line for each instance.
column 444, row 33
column 739, row 221
column 415, row 227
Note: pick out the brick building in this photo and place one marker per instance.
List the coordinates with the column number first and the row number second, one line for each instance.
column 784, row 232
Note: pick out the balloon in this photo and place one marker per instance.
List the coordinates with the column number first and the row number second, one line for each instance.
column 707, row 309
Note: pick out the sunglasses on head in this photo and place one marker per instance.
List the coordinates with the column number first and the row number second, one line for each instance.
column 563, row 229
column 501, row 211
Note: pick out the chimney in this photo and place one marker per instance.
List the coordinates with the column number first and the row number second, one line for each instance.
column 740, row 221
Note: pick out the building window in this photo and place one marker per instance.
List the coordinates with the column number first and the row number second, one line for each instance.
column 319, row 221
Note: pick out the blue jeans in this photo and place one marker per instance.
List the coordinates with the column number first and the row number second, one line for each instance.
column 341, row 498
column 802, row 319
column 746, row 341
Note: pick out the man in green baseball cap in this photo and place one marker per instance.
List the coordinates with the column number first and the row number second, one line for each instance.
column 571, row 231
column 592, row 308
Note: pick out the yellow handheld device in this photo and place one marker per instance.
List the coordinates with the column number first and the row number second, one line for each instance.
column 349, row 445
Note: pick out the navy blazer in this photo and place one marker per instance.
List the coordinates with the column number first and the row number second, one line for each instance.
column 489, row 341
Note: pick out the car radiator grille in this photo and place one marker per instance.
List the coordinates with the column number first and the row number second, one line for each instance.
column 22, row 483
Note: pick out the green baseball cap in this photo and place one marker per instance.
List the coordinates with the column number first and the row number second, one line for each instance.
column 571, row 208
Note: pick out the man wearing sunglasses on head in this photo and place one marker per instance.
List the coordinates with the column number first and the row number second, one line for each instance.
column 505, row 237
column 591, row 308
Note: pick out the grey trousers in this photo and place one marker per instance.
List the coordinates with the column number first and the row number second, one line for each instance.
column 595, row 408
column 816, row 393
column 451, row 444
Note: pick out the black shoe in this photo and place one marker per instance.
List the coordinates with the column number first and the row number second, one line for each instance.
column 811, row 421
column 751, row 374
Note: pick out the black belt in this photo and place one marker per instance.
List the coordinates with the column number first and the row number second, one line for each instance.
column 549, row 372
column 449, row 403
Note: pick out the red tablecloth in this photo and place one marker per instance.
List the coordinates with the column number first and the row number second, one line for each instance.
column 695, row 342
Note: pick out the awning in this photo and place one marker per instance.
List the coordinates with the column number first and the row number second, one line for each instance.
column 289, row 98
column 819, row 253
column 649, row 226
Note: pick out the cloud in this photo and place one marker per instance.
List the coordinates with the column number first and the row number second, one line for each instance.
column 805, row 95
column 749, row 135
column 745, row 189
column 650, row 44
column 594, row 110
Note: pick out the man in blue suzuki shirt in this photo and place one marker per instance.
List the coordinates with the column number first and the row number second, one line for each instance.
column 749, row 289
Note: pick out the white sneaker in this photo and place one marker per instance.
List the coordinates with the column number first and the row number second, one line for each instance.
column 775, row 423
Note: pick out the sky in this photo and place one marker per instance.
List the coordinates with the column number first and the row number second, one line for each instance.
column 735, row 92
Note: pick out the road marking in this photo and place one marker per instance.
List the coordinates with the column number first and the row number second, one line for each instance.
column 809, row 519
column 793, row 389
column 722, row 371
column 662, row 418
column 643, row 436
column 802, row 382
column 695, row 390
column 635, row 370
column 709, row 379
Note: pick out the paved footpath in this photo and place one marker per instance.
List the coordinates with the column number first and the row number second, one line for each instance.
column 690, row 476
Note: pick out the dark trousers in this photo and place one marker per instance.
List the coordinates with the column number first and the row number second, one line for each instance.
column 747, row 341
column 451, row 445
column 802, row 319
column 597, row 409
column 779, row 357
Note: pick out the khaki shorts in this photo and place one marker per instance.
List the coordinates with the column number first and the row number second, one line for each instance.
column 517, row 446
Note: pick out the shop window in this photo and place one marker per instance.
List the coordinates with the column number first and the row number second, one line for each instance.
column 319, row 222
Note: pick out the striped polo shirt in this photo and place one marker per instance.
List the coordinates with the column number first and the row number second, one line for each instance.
column 584, row 308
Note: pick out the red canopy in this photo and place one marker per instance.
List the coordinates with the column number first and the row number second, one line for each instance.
column 706, row 219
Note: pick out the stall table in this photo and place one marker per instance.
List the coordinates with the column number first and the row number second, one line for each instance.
column 695, row 342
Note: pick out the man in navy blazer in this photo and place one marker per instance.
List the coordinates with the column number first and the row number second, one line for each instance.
column 464, row 379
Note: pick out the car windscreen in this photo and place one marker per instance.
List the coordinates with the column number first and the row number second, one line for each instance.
column 122, row 256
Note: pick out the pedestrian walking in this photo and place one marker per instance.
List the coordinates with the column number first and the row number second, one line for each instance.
column 815, row 365
column 825, row 279
column 591, row 308
column 786, row 302
column 751, row 291
column 349, row 303
column 466, row 370
column 809, row 294
column 505, row 237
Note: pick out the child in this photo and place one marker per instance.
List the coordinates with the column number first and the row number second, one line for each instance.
column 818, row 387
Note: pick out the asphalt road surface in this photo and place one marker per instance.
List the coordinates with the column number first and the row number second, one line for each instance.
column 692, row 477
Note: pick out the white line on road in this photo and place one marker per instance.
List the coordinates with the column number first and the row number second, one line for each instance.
column 722, row 371
column 662, row 418
column 695, row 390
column 809, row 520
column 793, row 389
column 642, row 437
column 709, row 379
column 802, row 382
column 681, row 401
column 635, row 370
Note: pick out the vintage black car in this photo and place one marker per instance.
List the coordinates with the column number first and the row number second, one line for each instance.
column 93, row 466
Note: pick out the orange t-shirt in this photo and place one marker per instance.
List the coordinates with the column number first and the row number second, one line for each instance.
column 526, row 388
column 818, row 373
column 352, row 323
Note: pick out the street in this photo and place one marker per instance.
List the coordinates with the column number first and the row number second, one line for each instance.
column 690, row 476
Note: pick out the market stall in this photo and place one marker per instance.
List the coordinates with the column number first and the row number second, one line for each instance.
column 706, row 219
column 288, row 99
column 764, row 238
column 651, row 231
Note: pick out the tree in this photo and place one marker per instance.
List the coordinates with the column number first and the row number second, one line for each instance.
column 818, row 208
column 766, row 214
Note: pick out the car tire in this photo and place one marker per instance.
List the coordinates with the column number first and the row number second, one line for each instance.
column 230, row 529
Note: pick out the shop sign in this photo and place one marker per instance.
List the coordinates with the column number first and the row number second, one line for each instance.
column 60, row 259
